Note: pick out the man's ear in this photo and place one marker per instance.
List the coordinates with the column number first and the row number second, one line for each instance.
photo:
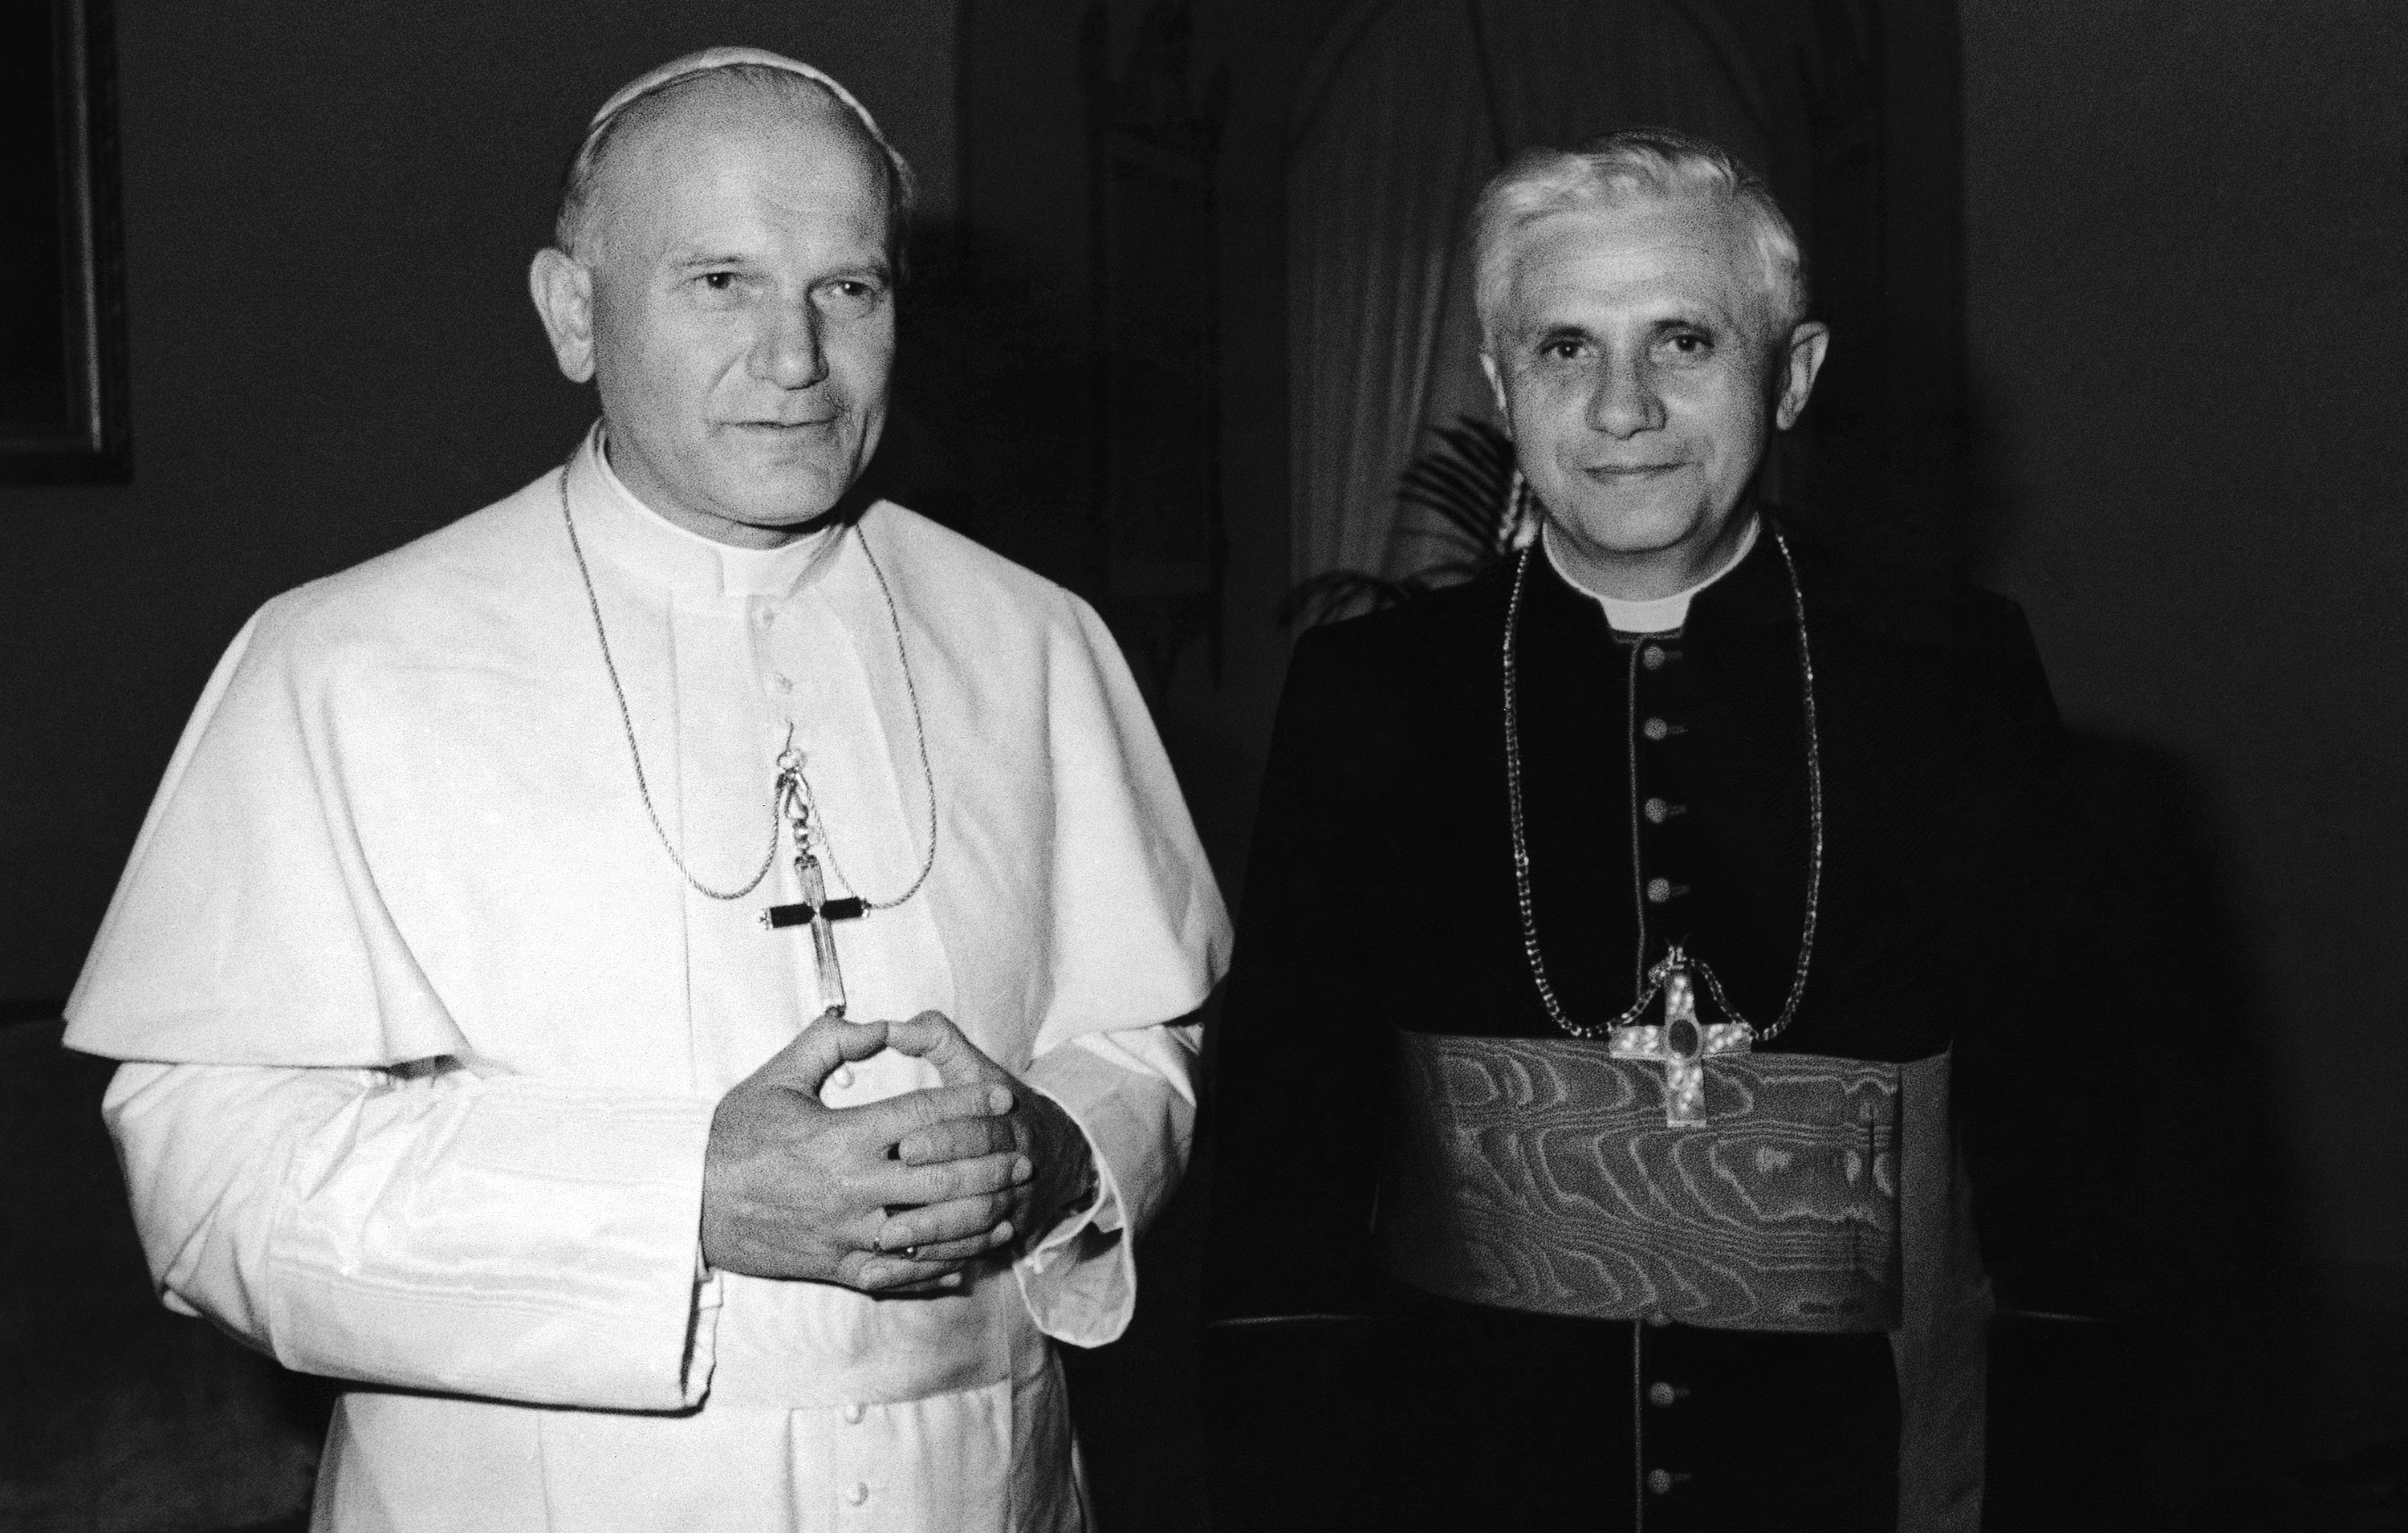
column 1497, row 387
column 1804, row 360
column 563, row 288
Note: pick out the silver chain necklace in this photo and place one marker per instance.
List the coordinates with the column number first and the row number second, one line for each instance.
column 1675, row 963
column 791, row 783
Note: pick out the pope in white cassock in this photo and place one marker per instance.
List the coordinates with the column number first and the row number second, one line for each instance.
column 672, row 984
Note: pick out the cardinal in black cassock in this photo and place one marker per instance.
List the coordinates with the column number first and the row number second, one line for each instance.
column 1637, row 1073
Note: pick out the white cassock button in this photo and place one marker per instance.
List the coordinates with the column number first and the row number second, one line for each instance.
column 1652, row 657
column 1655, row 729
column 768, row 616
column 783, row 683
column 855, row 1494
column 842, row 1077
column 852, row 1412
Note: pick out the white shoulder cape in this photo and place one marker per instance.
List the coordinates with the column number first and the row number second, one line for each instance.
column 401, row 823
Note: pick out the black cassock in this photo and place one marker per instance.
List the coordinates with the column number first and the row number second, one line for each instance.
column 1381, row 895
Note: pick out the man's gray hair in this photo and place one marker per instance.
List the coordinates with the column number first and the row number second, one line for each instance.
column 1653, row 164
column 572, row 229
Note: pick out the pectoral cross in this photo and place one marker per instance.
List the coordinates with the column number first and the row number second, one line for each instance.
column 815, row 909
column 1681, row 1044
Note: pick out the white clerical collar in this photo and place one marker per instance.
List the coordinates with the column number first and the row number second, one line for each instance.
column 630, row 532
column 1660, row 614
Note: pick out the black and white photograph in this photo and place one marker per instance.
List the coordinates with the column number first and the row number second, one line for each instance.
column 1204, row 766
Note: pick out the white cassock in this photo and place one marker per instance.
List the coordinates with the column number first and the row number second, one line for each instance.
column 403, row 827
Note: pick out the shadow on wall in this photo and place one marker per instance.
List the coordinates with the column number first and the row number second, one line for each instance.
column 2226, row 1380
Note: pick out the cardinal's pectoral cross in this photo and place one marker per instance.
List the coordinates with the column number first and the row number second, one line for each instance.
column 1681, row 1044
column 814, row 910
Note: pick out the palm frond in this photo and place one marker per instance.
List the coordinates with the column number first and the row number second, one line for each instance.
column 1465, row 483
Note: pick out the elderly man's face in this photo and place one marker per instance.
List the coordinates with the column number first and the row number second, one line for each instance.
column 742, row 312
column 1636, row 364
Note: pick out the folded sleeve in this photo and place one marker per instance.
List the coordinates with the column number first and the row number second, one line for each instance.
column 1132, row 1093
column 248, row 926
column 427, row 1228
column 1138, row 933
column 1139, row 936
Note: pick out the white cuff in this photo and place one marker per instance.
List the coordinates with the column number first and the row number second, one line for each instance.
column 1129, row 1094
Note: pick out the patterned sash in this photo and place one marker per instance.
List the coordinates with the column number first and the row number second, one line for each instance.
column 1539, row 1174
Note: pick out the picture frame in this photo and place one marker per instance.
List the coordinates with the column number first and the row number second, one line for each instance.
column 63, row 362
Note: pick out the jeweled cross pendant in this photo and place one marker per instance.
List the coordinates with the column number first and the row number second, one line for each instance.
column 1681, row 1044
column 814, row 910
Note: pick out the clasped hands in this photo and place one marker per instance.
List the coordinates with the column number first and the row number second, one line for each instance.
column 793, row 1188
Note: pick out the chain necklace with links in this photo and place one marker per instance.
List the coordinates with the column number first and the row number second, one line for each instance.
column 1659, row 975
column 791, row 780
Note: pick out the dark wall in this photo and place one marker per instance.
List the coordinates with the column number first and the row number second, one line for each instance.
column 328, row 212
column 2188, row 310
